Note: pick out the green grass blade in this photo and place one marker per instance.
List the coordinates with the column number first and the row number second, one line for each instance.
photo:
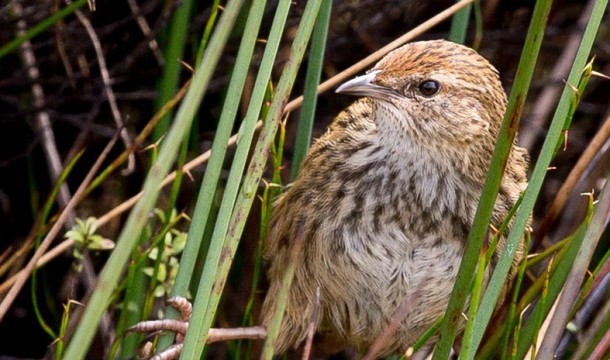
column 63, row 329
column 132, row 310
column 217, row 268
column 209, row 185
column 459, row 25
column 271, row 191
column 570, row 292
column 42, row 228
column 208, row 30
column 174, row 52
column 531, row 193
column 310, row 94
column 537, row 320
column 478, row 26
column 423, row 340
column 590, row 279
column 510, row 317
column 246, row 134
column 516, row 335
column 260, row 158
column 591, row 339
column 113, row 269
column 565, row 253
column 282, row 296
column 475, row 297
column 556, row 283
column 492, row 183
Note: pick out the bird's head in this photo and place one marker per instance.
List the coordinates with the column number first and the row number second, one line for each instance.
column 436, row 92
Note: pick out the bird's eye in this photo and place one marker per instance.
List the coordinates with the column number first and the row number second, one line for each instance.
column 429, row 87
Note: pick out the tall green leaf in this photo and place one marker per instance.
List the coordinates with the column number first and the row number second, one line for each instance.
column 492, row 184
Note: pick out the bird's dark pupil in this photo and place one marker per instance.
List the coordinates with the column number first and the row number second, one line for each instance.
column 429, row 87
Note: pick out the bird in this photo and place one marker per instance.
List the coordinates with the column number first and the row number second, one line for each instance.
column 385, row 199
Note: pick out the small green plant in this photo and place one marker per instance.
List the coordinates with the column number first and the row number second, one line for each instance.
column 84, row 237
column 166, row 255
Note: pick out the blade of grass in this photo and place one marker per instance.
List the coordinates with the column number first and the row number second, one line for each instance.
column 539, row 320
column 423, row 340
column 138, row 217
column 516, row 334
column 282, row 297
column 510, row 317
column 217, row 268
column 459, row 25
column 556, row 247
column 594, row 334
column 484, row 262
column 565, row 253
column 271, row 191
column 571, row 288
column 173, row 53
column 492, row 183
column 246, row 133
column 535, row 184
column 133, row 298
column 553, row 289
column 209, row 185
column 167, row 339
column 478, row 26
column 310, row 93
column 592, row 279
column 219, row 147
column 43, row 217
column 194, row 136
column 63, row 328
column 475, row 297
column 208, row 30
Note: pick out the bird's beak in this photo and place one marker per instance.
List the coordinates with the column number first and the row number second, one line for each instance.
column 364, row 86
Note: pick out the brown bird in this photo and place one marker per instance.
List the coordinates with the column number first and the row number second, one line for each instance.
column 384, row 201
column 387, row 198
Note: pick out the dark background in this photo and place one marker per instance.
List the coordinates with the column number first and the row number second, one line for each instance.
column 81, row 118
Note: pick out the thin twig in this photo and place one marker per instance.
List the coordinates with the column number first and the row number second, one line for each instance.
column 146, row 31
column 253, row 332
column 311, row 331
column 400, row 315
column 590, row 334
column 42, row 121
column 116, row 114
column 589, row 309
column 602, row 348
